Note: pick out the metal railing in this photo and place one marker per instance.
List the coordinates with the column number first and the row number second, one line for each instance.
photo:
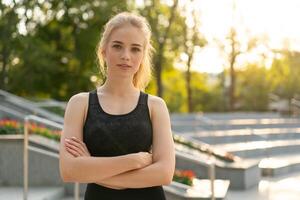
column 211, row 167
column 28, row 107
column 47, row 122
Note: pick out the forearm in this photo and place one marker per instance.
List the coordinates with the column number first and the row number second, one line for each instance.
column 95, row 169
column 152, row 175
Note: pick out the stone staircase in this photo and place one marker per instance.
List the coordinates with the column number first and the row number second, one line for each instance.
column 272, row 140
column 17, row 107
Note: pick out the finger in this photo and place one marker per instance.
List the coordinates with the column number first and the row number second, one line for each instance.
column 77, row 140
column 80, row 143
column 74, row 148
column 78, row 148
column 79, row 152
column 76, row 143
column 71, row 151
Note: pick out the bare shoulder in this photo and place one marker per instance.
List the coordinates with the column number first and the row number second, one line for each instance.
column 79, row 98
column 77, row 105
column 156, row 105
column 155, row 101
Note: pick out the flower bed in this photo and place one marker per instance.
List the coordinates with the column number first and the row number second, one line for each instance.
column 184, row 176
column 205, row 148
column 8, row 127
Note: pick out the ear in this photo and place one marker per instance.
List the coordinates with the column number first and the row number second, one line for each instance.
column 103, row 53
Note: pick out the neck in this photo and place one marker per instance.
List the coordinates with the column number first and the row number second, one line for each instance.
column 118, row 86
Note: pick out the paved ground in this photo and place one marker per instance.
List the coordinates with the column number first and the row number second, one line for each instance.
column 36, row 193
column 279, row 188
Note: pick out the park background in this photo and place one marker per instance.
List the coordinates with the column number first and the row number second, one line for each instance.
column 227, row 69
column 211, row 56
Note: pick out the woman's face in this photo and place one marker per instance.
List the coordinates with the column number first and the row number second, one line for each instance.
column 124, row 51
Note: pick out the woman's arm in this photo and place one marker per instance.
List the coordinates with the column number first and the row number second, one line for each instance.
column 162, row 170
column 89, row 169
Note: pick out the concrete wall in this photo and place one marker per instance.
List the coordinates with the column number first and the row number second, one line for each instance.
column 43, row 169
column 241, row 177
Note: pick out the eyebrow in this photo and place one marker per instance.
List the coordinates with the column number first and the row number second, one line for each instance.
column 134, row 44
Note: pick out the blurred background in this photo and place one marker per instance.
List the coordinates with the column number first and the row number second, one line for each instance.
column 211, row 56
column 228, row 70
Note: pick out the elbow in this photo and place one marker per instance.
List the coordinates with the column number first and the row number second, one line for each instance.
column 65, row 173
column 168, row 176
column 66, row 178
column 168, row 180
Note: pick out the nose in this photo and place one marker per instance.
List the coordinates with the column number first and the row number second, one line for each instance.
column 125, row 55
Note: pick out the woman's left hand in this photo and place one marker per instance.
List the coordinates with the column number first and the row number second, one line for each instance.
column 76, row 147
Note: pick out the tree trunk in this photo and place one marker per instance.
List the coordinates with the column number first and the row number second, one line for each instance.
column 188, row 85
column 159, row 60
column 158, row 71
column 3, row 70
column 233, row 56
column 232, row 86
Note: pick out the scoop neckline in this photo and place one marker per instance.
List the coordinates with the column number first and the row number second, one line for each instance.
column 117, row 115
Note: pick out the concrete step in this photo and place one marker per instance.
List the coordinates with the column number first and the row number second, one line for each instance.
column 200, row 190
column 193, row 127
column 280, row 165
column 223, row 124
column 261, row 148
column 271, row 188
column 225, row 116
column 245, row 135
column 34, row 193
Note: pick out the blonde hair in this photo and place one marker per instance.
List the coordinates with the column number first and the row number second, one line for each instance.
column 143, row 75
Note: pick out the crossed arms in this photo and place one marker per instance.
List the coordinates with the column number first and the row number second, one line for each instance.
column 119, row 172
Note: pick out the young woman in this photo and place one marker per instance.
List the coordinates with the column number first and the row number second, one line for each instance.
column 117, row 138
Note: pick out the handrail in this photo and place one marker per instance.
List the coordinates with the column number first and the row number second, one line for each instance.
column 29, row 106
column 26, row 147
column 211, row 164
column 10, row 111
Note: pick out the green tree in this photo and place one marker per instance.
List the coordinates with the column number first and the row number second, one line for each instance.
column 167, row 26
column 253, row 88
column 192, row 40
column 284, row 75
column 58, row 53
column 8, row 39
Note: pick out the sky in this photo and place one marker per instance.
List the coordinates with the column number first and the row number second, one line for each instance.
column 276, row 20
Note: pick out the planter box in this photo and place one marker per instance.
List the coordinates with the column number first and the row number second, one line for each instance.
column 243, row 174
column 43, row 163
column 200, row 190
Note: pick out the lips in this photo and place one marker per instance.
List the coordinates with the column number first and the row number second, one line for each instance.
column 124, row 65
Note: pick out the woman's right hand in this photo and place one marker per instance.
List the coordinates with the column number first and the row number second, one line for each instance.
column 143, row 159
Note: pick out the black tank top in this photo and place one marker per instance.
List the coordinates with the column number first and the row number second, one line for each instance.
column 108, row 135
